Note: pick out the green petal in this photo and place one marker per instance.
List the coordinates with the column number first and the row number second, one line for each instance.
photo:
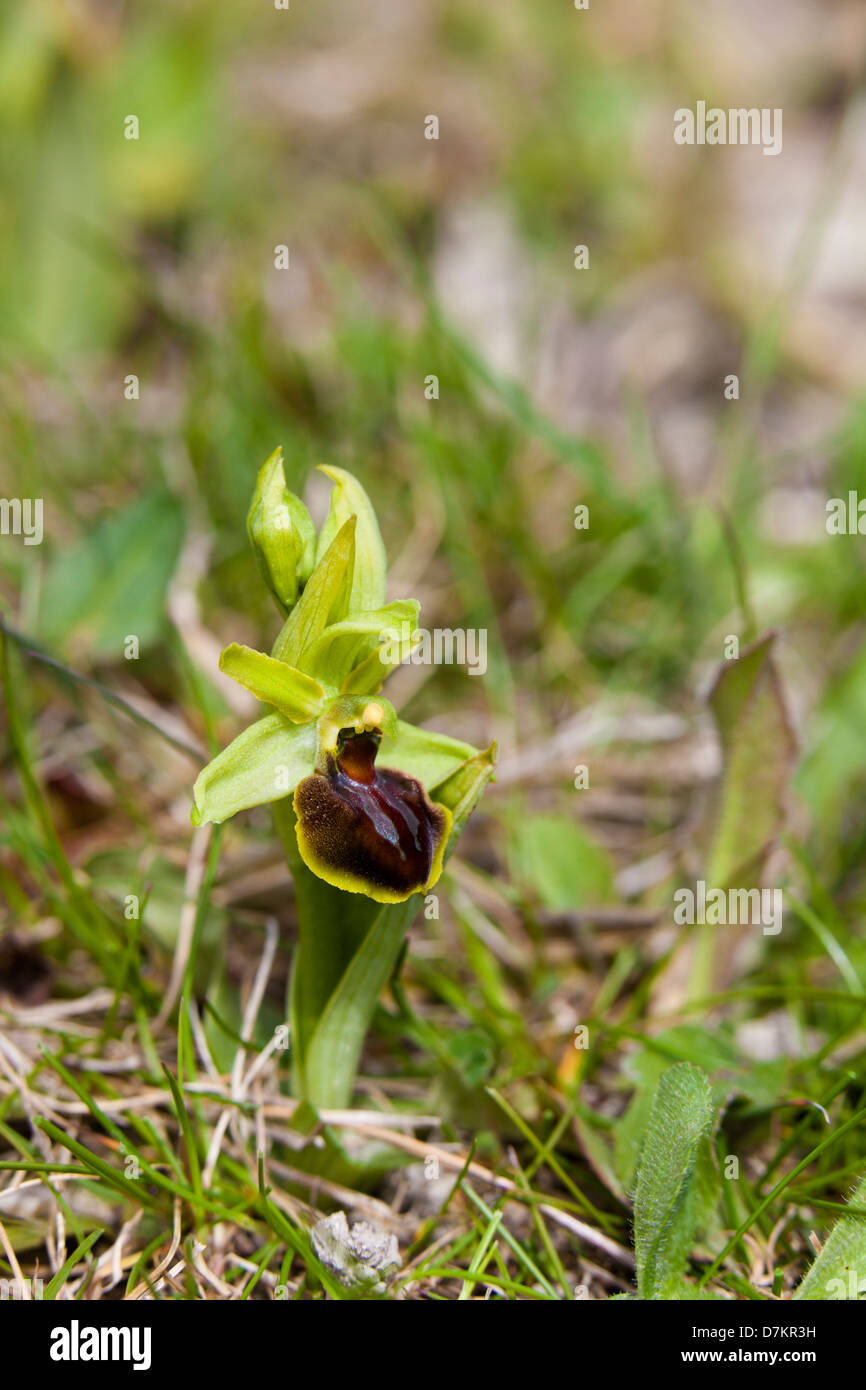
column 371, row 566
column 293, row 693
column 325, row 599
column 264, row 763
column 343, row 646
column 428, row 757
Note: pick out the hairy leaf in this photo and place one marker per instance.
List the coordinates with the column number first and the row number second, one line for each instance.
column 840, row 1269
column 758, row 750
column 665, row 1202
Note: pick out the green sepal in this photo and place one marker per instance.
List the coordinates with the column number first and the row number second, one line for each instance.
column 428, row 757
column 325, row 599
column 344, row 646
column 264, row 763
column 293, row 693
column 371, row 567
column 461, row 790
column 281, row 532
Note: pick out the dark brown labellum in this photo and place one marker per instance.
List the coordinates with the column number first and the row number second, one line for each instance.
column 367, row 829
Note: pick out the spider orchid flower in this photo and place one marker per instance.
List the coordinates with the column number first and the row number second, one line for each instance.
column 376, row 801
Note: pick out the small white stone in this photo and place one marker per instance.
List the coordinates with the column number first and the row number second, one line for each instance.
column 362, row 1256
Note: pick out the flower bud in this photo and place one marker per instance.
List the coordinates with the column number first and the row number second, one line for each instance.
column 348, row 498
column 282, row 534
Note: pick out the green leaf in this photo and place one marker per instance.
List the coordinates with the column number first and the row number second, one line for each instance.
column 349, row 499
column 324, row 600
column 113, row 582
column 689, row 1293
column 334, row 1050
column 53, row 1288
column 832, row 768
column 331, row 925
column 473, row 1055
column 345, row 645
column 293, row 693
column 840, row 1269
column 665, row 1209
column 714, row 1053
column 601, row 1157
column 560, row 865
column 117, row 872
column 758, row 752
column 644, row 1069
column 193, row 1162
column 264, row 763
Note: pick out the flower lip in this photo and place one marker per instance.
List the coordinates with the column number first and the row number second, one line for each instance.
column 366, row 829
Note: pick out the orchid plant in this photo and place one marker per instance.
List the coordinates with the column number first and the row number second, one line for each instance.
column 367, row 807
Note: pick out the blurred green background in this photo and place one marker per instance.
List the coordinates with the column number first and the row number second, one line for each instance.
column 411, row 258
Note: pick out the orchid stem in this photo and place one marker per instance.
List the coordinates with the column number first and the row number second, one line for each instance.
column 332, row 927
